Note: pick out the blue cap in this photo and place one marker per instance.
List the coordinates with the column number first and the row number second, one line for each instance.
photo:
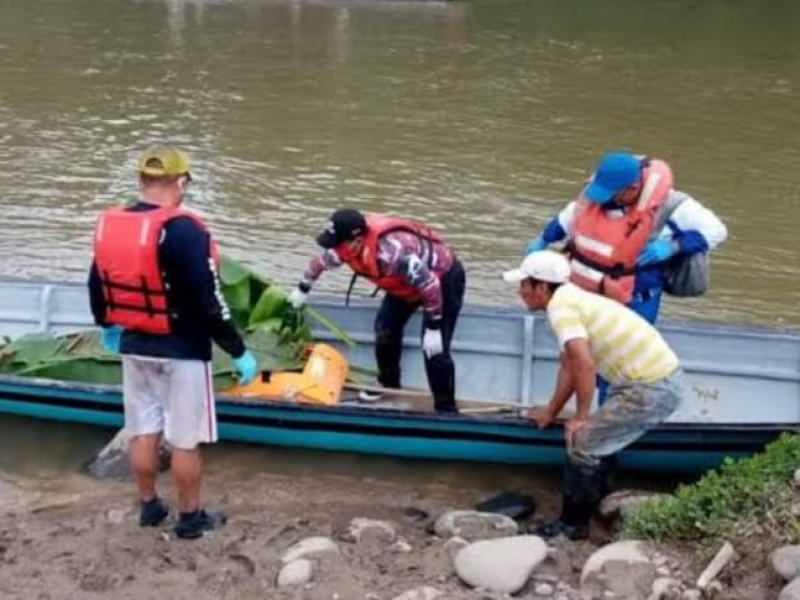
column 615, row 172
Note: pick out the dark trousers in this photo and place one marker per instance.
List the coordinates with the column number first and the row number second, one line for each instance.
column 390, row 323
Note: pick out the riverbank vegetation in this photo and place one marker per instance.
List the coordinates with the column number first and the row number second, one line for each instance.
column 743, row 498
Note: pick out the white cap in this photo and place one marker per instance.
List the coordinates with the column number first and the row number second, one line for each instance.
column 544, row 265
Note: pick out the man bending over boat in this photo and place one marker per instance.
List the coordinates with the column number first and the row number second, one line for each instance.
column 596, row 335
column 155, row 290
column 414, row 266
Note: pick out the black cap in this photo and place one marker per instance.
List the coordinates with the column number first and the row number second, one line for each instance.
column 345, row 224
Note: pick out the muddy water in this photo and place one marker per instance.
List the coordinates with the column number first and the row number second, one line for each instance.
column 480, row 118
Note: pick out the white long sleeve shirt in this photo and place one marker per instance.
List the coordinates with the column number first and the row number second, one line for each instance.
column 690, row 215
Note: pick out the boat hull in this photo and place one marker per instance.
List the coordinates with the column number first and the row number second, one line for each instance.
column 742, row 388
column 673, row 448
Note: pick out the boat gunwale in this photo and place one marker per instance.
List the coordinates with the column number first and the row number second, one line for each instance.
column 33, row 384
column 327, row 300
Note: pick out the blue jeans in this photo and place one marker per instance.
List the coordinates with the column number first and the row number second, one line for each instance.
column 645, row 304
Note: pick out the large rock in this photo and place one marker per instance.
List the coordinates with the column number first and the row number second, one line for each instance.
column 500, row 565
column 472, row 525
column 622, row 569
column 310, row 547
column 296, row 573
column 791, row 591
column 370, row 530
column 112, row 462
column 623, row 502
column 421, row 593
column 786, row 562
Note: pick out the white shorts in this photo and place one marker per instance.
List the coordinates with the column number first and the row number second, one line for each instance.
column 169, row 395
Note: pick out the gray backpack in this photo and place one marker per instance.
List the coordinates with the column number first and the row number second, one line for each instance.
column 685, row 276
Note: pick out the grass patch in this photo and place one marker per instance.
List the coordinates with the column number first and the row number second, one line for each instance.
column 742, row 497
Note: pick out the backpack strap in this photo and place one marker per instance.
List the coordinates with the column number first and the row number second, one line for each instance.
column 674, row 200
column 350, row 287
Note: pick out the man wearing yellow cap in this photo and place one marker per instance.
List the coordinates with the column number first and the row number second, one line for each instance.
column 154, row 288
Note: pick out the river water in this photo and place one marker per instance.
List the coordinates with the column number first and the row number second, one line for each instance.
column 480, row 118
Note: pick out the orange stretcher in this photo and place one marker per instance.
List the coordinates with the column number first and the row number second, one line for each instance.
column 321, row 381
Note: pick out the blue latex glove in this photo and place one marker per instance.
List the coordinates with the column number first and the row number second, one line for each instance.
column 657, row 251
column 247, row 366
column 110, row 337
column 535, row 246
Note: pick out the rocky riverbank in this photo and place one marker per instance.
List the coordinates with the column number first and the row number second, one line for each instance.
column 310, row 537
column 325, row 537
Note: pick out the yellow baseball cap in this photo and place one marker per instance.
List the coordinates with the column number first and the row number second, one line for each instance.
column 163, row 161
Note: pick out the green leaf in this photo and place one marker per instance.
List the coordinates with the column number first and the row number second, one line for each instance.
column 272, row 305
column 274, row 325
column 232, row 272
column 340, row 333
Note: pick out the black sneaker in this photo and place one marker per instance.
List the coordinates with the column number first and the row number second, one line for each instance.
column 153, row 512
column 560, row 528
column 192, row 525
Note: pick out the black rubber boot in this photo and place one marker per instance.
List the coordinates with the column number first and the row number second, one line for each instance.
column 560, row 528
column 605, row 470
column 584, row 488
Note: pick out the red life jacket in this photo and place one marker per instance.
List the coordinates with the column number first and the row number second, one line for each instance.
column 607, row 242
column 365, row 263
column 126, row 256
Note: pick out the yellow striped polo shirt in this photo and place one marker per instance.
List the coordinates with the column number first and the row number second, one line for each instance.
column 625, row 347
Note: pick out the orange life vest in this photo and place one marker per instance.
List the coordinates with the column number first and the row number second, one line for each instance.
column 365, row 263
column 126, row 256
column 606, row 243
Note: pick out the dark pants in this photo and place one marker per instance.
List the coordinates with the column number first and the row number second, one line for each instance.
column 390, row 322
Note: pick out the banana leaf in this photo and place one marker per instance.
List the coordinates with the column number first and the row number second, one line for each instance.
column 244, row 290
column 275, row 332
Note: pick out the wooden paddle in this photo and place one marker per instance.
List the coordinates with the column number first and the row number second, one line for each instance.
column 479, row 410
column 423, row 395
column 396, row 392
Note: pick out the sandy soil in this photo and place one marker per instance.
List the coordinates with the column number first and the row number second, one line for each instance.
column 78, row 538
column 75, row 537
